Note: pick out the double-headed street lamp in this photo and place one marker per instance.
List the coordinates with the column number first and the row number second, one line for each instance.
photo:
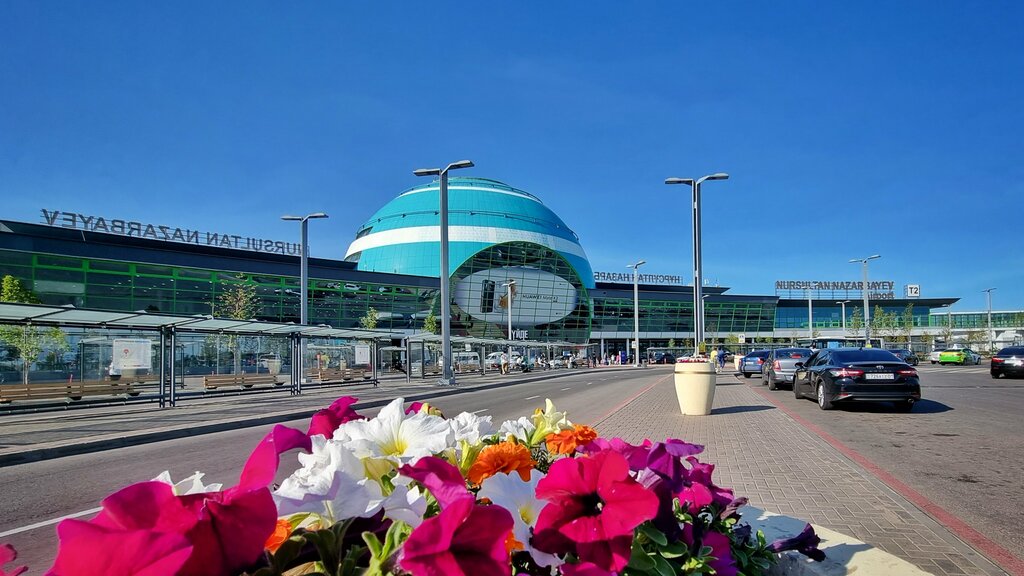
column 636, row 311
column 510, row 292
column 447, row 375
column 698, row 312
column 843, row 304
column 864, row 292
column 304, row 280
column 988, row 295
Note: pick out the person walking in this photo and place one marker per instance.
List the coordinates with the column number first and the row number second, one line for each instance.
column 504, row 363
column 714, row 358
column 721, row 359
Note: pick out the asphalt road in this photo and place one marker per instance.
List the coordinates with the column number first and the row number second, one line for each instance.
column 962, row 447
column 41, row 491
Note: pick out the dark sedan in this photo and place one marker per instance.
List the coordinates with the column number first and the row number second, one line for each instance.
column 780, row 366
column 908, row 356
column 664, row 358
column 845, row 375
column 1008, row 362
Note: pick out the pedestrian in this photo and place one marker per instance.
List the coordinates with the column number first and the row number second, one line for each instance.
column 504, row 363
column 721, row 359
column 714, row 358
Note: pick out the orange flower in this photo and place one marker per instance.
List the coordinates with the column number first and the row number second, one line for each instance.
column 566, row 441
column 282, row 531
column 511, row 544
column 507, row 457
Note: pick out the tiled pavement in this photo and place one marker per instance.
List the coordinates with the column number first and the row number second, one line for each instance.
column 765, row 455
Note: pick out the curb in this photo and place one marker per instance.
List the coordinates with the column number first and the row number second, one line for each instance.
column 60, row 449
column 843, row 554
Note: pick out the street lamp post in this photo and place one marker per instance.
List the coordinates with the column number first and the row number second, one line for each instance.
column 810, row 316
column 636, row 311
column 509, row 292
column 447, row 374
column 698, row 312
column 303, row 283
column 843, row 304
column 864, row 293
column 988, row 295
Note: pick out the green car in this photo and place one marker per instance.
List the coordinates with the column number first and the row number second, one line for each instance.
column 960, row 356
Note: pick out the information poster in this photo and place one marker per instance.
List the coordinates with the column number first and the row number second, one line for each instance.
column 362, row 354
column 132, row 353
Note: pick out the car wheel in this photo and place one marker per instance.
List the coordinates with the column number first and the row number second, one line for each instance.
column 934, row 362
column 746, row 374
column 796, row 390
column 904, row 406
column 995, row 375
column 823, row 401
column 772, row 385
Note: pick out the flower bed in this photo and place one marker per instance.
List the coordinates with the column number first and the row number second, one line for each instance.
column 411, row 492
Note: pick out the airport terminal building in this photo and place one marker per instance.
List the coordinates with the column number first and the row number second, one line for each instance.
column 497, row 234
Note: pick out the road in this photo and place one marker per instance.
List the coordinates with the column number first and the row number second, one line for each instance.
column 962, row 447
column 51, row 489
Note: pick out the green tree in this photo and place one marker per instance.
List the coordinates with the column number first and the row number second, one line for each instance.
column 238, row 301
column 28, row 342
column 430, row 323
column 732, row 339
column 907, row 322
column 671, row 342
column 974, row 337
column 856, row 324
column 369, row 321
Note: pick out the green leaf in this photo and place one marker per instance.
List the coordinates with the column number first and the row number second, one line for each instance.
column 639, row 559
column 652, row 533
column 662, row 566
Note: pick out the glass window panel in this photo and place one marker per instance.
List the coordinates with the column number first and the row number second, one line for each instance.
column 109, row 266
column 14, row 257
column 47, row 260
column 153, row 270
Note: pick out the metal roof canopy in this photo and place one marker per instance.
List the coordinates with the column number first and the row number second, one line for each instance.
column 493, row 341
column 71, row 317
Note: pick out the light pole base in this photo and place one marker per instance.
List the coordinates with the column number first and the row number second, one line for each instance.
column 446, row 382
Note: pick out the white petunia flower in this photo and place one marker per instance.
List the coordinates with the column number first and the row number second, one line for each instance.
column 407, row 505
column 471, row 428
column 518, row 497
column 397, row 437
column 191, row 485
column 521, row 429
column 331, row 483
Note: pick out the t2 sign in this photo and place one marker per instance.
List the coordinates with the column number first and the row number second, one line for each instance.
column 913, row 290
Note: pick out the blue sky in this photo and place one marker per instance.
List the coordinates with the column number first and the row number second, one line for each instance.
column 848, row 129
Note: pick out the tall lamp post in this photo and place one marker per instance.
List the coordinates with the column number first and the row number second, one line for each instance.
column 447, row 375
column 303, row 280
column 509, row 292
column 988, row 296
column 843, row 304
column 864, row 292
column 698, row 312
column 810, row 316
column 636, row 311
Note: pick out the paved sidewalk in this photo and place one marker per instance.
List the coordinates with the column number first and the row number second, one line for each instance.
column 763, row 454
column 30, row 436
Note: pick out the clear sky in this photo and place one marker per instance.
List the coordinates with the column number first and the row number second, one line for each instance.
column 848, row 129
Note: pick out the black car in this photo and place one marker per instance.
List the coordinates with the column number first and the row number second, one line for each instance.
column 1009, row 361
column 842, row 375
column 664, row 358
column 908, row 356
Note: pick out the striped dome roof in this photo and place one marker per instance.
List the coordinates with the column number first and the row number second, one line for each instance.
column 403, row 237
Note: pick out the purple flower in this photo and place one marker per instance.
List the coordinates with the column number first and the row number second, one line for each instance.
column 805, row 543
column 720, row 545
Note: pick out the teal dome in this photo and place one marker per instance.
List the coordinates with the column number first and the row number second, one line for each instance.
column 403, row 237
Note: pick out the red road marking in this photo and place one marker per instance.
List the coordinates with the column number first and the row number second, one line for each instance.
column 627, row 402
column 958, row 527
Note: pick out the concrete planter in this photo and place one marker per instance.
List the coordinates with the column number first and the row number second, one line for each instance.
column 695, row 387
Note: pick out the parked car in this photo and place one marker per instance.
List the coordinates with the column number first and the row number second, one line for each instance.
column 751, row 363
column 962, row 356
column 841, row 375
column 933, row 356
column 780, row 365
column 908, row 356
column 664, row 358
column 1009, row 361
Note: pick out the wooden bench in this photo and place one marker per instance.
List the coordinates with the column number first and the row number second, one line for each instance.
column 71, row 391
column 331, row 374
column 244, row 381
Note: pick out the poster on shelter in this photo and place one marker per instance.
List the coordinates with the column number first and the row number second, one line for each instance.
column 362, row 355
column 132, row 353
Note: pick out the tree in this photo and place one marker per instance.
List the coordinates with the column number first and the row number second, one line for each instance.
column 430, row 323
column 974, row 337
column 907, row 322
column 240, row 302
column 732, row 339
column 671, row 342
column 28, row 342
column 856, row 324
column 369, row 321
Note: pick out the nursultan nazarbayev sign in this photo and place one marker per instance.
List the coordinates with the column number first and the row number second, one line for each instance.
column 134, row 229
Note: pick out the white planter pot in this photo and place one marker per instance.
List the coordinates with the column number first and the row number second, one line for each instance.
column 695, row 387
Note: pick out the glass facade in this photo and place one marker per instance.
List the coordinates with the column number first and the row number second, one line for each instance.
column 615, row 314
column 977, row 320
column 831, row 316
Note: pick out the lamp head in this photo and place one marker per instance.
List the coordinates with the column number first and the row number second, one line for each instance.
column 427, row 172
column 317, row 215
column 687, row 181
column 460, row 164
column 717, row 176
column 298, row 218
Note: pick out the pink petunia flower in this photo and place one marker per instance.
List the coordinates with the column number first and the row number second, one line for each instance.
column 593, row 507
column 443, row 480
column 700, row 473
column 326, row 421
column 9, row 554
column 584, row 569
column 465, row 539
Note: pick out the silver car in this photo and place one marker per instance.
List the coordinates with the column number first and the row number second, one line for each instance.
column 780, row 366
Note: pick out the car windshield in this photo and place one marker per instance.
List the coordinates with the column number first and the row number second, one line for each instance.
column 793, row 353
column 1012, row 351
column 848, row 356
column 759, row 354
